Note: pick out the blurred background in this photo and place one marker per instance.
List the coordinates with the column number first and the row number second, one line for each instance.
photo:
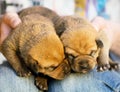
column 109, row 9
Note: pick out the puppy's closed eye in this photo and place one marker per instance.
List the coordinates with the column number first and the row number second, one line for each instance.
column 51, row 68
column 70, row 57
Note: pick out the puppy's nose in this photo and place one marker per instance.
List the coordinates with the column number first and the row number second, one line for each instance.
column 84, row 64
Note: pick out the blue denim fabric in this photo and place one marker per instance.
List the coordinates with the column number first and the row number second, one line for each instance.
column 10, row 82
column 94, row 81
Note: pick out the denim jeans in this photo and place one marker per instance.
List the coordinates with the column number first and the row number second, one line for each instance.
column 108, row 81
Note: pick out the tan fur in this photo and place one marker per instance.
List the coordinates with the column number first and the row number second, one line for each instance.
column 83, row 44
column 84, row 41
column 79, row 41
column 35, row 45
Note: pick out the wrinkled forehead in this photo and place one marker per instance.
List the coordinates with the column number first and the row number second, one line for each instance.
column 80, row 51
column 80, row 42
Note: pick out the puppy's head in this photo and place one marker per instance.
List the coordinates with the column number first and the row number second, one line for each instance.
column 81, row 48
column 47, row 57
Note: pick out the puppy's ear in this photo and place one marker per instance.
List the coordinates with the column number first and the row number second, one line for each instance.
column 99, row 43
column 60, row 26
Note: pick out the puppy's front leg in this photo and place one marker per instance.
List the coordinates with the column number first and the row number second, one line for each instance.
column 15, row 62
column 103, row 58
column 41, row 83
column 104, row 62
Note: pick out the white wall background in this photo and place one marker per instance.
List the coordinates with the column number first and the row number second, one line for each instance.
column 113, row 9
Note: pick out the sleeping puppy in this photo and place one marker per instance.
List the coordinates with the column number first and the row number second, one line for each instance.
column 84, row 46
column 35, row 47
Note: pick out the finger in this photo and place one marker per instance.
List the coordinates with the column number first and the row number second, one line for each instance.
column 5, row 30
column 12, row 19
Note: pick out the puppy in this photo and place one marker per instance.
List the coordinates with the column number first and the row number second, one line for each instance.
column 84, row 46
column 35, row 47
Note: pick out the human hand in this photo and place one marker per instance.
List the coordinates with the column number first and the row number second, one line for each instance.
column 9, row 21
column 112, row 31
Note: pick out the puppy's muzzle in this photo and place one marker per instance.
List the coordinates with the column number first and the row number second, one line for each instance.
column 83, row 64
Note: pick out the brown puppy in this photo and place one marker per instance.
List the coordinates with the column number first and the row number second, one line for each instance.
column 83, row 45
column 34, row 46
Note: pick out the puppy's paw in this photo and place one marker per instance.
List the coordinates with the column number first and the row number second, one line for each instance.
column 102, row 68
column 41, row 83
column 115, row 66
column 23, row 73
